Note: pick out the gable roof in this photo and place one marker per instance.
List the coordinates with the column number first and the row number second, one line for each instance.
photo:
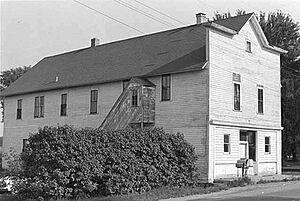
column 177, row 50
column 235, row 23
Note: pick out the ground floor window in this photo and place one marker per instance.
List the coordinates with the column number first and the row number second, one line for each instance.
column 226, row 143
column 267, row 145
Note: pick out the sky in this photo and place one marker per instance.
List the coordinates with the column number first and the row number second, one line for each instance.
column 32, row 30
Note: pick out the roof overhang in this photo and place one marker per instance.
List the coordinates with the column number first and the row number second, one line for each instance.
column 262, row 37
column 220, row 28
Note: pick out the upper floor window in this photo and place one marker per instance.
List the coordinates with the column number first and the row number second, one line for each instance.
column 260, row 100
column 39, row 104
column 166, row 87
column 93, row 103
column 267, row 145
column 237, row 96
column 226, row 143
column 63, row 105
column 248, row 46
column 236, row 91
column 134, row 97
column 19, row 109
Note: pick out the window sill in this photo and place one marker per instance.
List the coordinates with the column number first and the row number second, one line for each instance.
column 94, row 113
column 237, row 110
column 226, row 153
column 267, row 153
column 249, row 51
column 258, row 113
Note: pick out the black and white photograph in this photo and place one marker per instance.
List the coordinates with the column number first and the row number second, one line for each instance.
column 150, row 100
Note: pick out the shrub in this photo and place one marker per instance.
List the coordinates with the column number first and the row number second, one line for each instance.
column 66, row 162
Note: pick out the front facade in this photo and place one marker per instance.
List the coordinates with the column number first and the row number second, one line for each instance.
column 220, row 87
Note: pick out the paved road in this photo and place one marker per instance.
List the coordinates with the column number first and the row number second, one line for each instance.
column 288, row 191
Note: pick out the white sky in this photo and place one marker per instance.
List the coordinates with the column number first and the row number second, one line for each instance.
column 31, row 30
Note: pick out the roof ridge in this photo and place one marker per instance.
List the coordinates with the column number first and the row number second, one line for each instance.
column 122, row 40
column 218, row 20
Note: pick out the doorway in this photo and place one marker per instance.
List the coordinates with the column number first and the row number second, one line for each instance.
column 248, row 139
column 248, row 148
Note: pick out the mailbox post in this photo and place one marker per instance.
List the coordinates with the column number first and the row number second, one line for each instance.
column 242, row 163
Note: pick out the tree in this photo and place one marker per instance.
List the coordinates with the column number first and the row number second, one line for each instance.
column 219, row 16
column 7, row 77
column 281, row 31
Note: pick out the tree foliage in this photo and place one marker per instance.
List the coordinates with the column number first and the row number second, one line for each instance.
column 220, row 16
column 7, row 77
column 67, row 162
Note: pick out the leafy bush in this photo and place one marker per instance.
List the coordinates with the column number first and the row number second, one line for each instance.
column 67, row 162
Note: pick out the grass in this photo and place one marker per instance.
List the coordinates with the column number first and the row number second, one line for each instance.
column 163, row 192
column 152, row 195
column 160, row 193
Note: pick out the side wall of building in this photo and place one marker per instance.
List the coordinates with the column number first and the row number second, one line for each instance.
column 187, row 111
column 258, row 68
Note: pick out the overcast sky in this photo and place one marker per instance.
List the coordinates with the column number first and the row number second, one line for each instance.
column 32, row 30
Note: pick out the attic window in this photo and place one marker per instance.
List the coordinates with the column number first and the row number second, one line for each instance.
column 248, row 46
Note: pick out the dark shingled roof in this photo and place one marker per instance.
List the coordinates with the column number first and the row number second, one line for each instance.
column 172, row 51
column 235, row 23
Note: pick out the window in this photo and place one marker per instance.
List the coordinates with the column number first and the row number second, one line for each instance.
column 248, row 46
column 166, row 87
column 226, row 143
column 243, row 136
column 267, row 145
column 25, row 144
column 134, row 97
column 94, row 99
column 63, row 105
column 125, row 83
column 19, row 109
column 237, row 97
column 260, row 101
column 39, row 107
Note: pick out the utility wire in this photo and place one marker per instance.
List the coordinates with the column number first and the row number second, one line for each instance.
column 123, row 23
column 160, row 12
column 144, row 13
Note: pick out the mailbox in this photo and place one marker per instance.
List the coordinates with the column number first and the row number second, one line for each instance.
column 241, row 163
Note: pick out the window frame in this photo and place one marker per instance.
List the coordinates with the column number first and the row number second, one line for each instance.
column 39, row 107
column 134, row 98
column 228, row 144
column 94, row 103
column 63, row 106
column 19, row 109
column 260, row 88
column 248, row 46
column 268, row 146
column 234, row 97
column 167, row 88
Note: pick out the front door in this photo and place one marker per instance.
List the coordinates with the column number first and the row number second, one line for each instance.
column 244, row 150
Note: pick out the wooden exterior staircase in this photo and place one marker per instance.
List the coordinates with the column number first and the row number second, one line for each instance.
column 128, row 112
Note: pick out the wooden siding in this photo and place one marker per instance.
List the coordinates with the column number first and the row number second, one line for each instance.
column 123, row 113
column 228, row 55
column 187, row 112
